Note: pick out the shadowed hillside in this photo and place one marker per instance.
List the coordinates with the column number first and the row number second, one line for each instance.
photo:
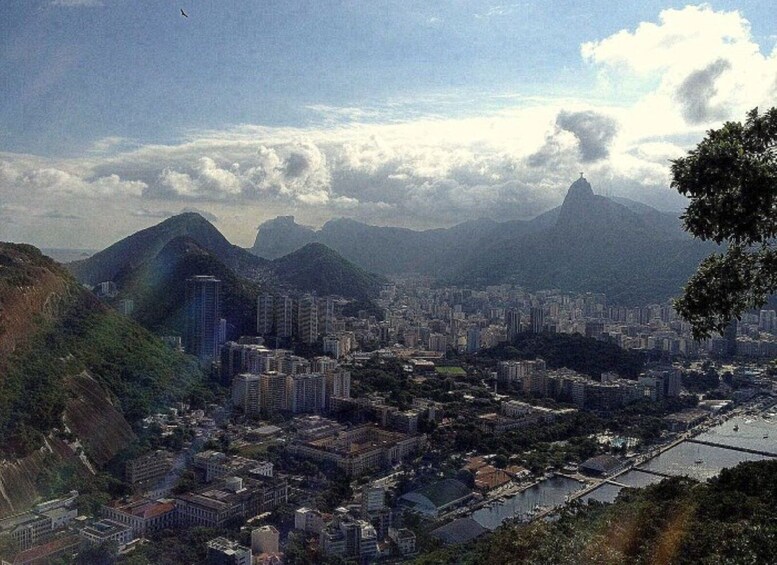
column 52, row 331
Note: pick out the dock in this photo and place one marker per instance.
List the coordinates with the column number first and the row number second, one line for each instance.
column 733, row 447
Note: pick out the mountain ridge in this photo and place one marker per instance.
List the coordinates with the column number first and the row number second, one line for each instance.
column 128, row 260
column 589, row 242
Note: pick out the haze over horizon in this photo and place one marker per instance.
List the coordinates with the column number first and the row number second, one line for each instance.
column 118, row 114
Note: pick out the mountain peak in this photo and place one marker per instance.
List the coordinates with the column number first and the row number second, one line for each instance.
column 579, row 190
column 280, row 236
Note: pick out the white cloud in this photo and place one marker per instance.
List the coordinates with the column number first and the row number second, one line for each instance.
column 707, row 64
column 692, row 68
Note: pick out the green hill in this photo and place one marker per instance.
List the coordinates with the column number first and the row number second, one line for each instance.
column 317, row 267
column 52, row 330
column 573, row 351
column 144, row 263
column 131, row 253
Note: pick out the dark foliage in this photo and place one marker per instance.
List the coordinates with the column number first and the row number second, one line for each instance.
column 730, row 178
column 574, row 351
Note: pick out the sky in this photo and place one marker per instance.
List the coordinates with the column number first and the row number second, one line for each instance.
column 115, row 114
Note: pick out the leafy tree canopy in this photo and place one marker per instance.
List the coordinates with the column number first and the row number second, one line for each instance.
column 731, row 181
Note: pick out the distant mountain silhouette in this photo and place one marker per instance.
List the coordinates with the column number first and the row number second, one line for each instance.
column 627, row 249
column 282, row 236
column 121, row 258
column 632, row 253
column 175, row 246
column 385, row 250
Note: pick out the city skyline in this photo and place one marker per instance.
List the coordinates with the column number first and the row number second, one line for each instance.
column 121, row 115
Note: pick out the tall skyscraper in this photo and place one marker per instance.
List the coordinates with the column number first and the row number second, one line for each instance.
column 203, row 316
column 338, row 385
column 438, row 342
column 473, row 339
column 513, row 319
column 537, row 318
column 328, row 311
column 307, row 320
column 767, row 320
column 730, row 335
column 284, row 316
column 245, row 393
column 265, row 314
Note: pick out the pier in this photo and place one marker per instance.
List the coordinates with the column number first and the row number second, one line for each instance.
column 733, row 447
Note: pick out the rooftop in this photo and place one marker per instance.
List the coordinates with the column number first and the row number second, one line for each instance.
column 461, row 530
column 444, row 492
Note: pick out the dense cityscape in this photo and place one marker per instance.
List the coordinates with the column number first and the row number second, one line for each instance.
column 398, row 429
column 375, row 283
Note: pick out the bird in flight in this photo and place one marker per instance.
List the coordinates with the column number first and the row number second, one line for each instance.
column 184, row 14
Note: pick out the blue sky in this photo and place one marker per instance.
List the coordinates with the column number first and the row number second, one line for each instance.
column 383, row 111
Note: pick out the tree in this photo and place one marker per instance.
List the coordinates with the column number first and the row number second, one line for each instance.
column 731, row 181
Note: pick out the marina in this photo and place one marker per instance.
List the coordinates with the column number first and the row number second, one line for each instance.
column 727, row 443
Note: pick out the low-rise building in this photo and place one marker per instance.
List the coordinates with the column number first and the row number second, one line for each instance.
column 308, row 520
column 602, row 465
column 218, row 465
column 265, row 539
column 437, row 498
column 682, row 421
column 62, row 547
column 142, row 515
column 41, row 523
column 148, row 467
column 222, row 551
column 234, row 497
column 105, row 531
column 361, row 448
column 404, row 540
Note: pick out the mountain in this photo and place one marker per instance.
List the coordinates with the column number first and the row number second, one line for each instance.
column 317, row 266
column 123, row 257
column 71, row 370
column 282, row 236
column 384, row 250
column 144, row 263
column 158, row 289
column 626, row 249
column 596, row 244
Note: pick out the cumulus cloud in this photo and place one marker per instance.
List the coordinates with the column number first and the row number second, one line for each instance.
column 295, row 172
column 594, row 132
column 698, row 89
column 706, row 60
column 685, row 72
column 162, row 214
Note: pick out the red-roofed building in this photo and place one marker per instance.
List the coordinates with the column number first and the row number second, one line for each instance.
column 43, row 554
column 488, row 478
column 143, row 515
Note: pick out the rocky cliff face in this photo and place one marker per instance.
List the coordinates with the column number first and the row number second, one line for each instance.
column 98, row 430
column 20, row 479
column 32, row 290
column 92, row 416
